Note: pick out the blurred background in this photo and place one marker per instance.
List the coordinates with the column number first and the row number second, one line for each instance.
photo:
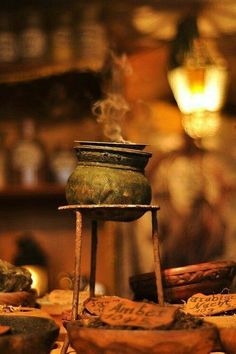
column 173, row 64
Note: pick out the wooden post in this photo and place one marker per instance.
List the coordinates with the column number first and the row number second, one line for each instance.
column 157, row 258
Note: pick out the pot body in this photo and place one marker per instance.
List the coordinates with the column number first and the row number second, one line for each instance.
column 109, row 175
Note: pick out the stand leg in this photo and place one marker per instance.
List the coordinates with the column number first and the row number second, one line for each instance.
column 93, row 259
column 78, row 246
column 75, row 301
column 65, row 345
column 157, row 258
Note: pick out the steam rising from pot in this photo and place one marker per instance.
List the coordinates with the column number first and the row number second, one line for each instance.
column 111, row 110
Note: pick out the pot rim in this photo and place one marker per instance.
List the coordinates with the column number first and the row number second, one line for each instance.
column 126, row 145
column 113, row 149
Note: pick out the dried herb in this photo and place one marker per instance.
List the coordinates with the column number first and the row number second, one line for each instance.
column 14, row 278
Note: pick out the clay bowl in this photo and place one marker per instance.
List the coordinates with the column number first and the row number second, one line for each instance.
column 103, row 341
column 182, row 282
column 28, row 334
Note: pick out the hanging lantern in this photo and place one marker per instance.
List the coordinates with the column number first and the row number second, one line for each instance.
column 199, row 89
column 198, row 82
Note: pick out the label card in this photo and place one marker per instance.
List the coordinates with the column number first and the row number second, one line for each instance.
column 205, row 305
column 138, row 314
column 96, row 305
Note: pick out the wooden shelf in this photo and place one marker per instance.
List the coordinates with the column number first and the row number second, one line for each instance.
column 19, row 72
column 41, row 191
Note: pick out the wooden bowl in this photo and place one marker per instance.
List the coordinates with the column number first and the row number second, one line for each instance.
column 29, row 334
column 228, row 340
column 226, row 325
column 103, row 341
column 182, row 282
column 18, row 298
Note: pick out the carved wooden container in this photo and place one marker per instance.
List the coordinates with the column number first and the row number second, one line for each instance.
column 182, row 282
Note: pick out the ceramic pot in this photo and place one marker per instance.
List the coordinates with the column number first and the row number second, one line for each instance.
column 110, row 174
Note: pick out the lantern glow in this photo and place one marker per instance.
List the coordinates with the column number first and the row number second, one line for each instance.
column 199, row 89
column 198, row 81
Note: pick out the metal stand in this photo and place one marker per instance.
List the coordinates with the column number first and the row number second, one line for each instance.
column 96, row 212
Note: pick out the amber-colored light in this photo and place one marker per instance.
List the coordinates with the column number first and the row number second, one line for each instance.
column 198, row 89
column 200, row 94
column 198, row 78
column 39, row 279
column 201, row 124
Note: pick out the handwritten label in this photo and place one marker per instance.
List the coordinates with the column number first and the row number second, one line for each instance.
column 96, row 305
column 205, row 305
column 138, row 314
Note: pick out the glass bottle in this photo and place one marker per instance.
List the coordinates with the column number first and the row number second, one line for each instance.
column 63, row 162
column 32, row 38
column 8, row 40
column 28, row 156
column 91, row 40
column 62, row 48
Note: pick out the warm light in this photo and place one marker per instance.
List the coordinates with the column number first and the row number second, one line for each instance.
column 156, row 23
column 198, row 78
column 201, row 125
column 198, row 89
column 39, row 279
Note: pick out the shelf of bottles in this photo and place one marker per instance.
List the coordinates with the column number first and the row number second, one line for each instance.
column 37, row 43
column 27, row 169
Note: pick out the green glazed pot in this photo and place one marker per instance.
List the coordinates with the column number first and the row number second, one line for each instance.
column 110, row 174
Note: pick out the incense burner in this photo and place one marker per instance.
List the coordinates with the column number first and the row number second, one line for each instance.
column 110, row 174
